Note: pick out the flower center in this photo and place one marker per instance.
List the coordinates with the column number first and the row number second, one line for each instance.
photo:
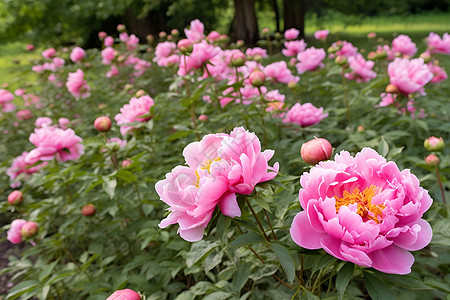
column 366, row 209
column 206, row 166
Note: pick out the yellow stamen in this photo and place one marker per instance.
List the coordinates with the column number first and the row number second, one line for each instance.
column 366, row 209
column 206, row 166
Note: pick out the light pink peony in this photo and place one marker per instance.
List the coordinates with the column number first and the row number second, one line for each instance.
column 166, row 54
column 108, row 55
column 293, row 48
column 403, row 46
column 291, row 34
column 109, row 41
column 24, row 114
column 201, row 54
column 5, row 100
column 125, row 294
column 279, row 72
column 321, row 34
column 195, row 32
column 304, row 115
column 77, row 86
column 387, row 99
column 77, row 54
column 19, row 166
column 310, row 60
column 346, row 49
column 132, row 42
column 219, row 166
column 361, row 70
column 131, row 112
column 439, row 73
column 14, row 234
column 48, row 53
column 42, row 122
column 256, row 53
column 54, row 143
column 409, row 76
column 436, row 44
column 364, row 210
column 213, row 36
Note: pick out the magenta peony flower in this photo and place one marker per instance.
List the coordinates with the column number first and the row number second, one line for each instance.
column 304, row 115
column 131, row 112
column 364, row 210
column 403, row 46
column 310, row 60
column 195, row 33
column 77, row 86
column 293, row 48
column 24, row 114
column 108, row 55
column 19, row 166
column 14, row 234
column 409, row 76
column 109, row 41
column 77, row 54
column 279, row 72
column 48, row 53
column 132, row 42
column 125, row 294
column 361, row 69
column 291, row 34
column 321, row 34
column 5, row 100
column 438, row 45
column 54, row 143
column 213, row 36
column 219, row 166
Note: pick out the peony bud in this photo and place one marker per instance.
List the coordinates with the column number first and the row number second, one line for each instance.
column 333, row 49
column 434, row 144
column 127, row 163
column 140, row 93
column 238, row 59
column 102, row 123
column 162, row 35
column 29, row 229
column 340, row 60
column 371, row 35
column 185, row 46
column 257, row 78
column 391, row 89
column 426, row 56
column 316, row 150
column 360, row 128
column 432, row 160
column 102, row 35
column 175, row 32
column 372, row 55
column 240, row 43
column 121, row 28
column 15, row 198
column 125, row 294
column 88, row 210
column 203, row 118
column 30, row 47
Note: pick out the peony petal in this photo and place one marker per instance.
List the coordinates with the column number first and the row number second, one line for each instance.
column 229, row 206
column 393, row 260
column 418, row 236
column 303, row 234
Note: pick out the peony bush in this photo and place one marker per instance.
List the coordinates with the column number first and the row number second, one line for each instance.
column 197, row 168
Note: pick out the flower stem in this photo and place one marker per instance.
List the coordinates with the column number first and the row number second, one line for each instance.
column 344, row 87
column 296, row 292
column 257, row 220
column 270, row 224
column 440, row 185
column 191, row 109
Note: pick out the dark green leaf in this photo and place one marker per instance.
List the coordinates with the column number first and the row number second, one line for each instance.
column 248, row 238
column 343, row 278
column 286, row 260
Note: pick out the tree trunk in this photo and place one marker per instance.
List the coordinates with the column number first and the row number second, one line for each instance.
column 277, row 14
column 245, row 24
column 294, row 15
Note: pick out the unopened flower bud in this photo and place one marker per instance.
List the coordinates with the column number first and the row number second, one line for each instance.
column 127, row 86
column 257, row 78
column 88, row 210
column 434, row 144
column 140, row 93
column 426, row 56
column 360, row 128
column 240, row 43
column 391, row 89
column 162, row 35
column 124, row 294
column 333, row 49
column 102, row 123
column 185, row 46
column 372, row 55
column 127, row 163
column 15, row 198
column 174, row 32
column 203, row 118
column 316, row 150
column 292, row 84
column 238, row 59
column 340, row 60
column 265, row 30
column 102, row 35
column 29, row 229
column 121, row 28
column 150, row 38
column 432, row 160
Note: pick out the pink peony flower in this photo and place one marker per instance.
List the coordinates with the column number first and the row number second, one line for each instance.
column 364, row 210
column 5, row 100
column 125, row 294
column 310, row 60
column 77, row 86
column 279, row 72
column 346, row 49
column 256, row 53
column 109, row 41
column 201, row 54
column 291, row 34
column 409, row 76
column 293, row 48
column 361, row 70
column 14, row 235
column 195, row 33
column 213, row 36
column 77, row 54
column 19, row 166
column 54, row 143
column 387, row 99
column 15, row 198
column 108, row 55
column 321, row 34
column 219, row 166
column 42, row 122
column 48, row 53
column 63, row 122
column 113, row 71
column 132, row 42
column 316, row 150
column 304, row 115
column 23, row 114
column 165, row 54
column 403, row 46
column 131, row 112
column 438, row 45
column 439, row 73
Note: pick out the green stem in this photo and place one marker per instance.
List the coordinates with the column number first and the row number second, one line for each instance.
column 296, row 292
column 344, row 87
column 191, row 109
column 440, row 184
column 257, row 220
column 66, row 185
column 261, row 115
column 136, row 187
column 270, row 224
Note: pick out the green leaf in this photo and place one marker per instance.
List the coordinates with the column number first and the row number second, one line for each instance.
column 179, row 134
column 199, row 250
column 222, row 226
column 286, row 260
column 248, row 238
column 262, row 202
column 383, row 147
column 46, row 271
column 241, row 276
column 376, row 288
column 343, row 278
column 220, row 295
column 265, row 271
column 441, row 233
column 22, row 288
column 109, row 186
